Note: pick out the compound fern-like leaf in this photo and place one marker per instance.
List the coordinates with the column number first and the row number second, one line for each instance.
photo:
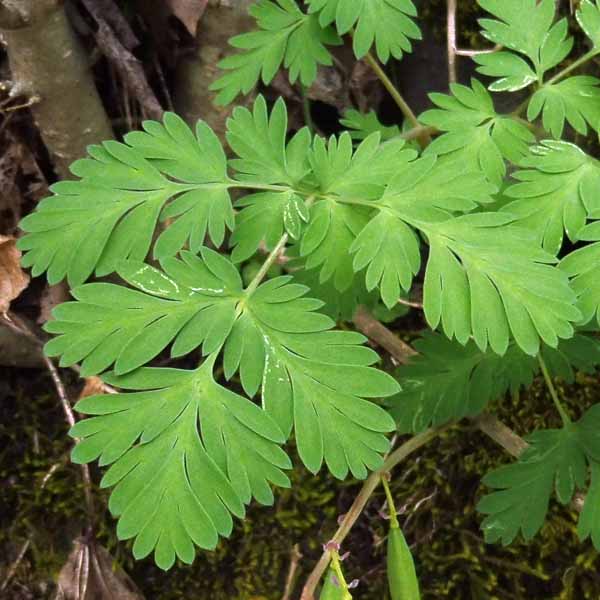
column 575, row 100
column 447, row 380
column 581, row 266
column 387, row 24
column 111, row 212
column 525, row 27
column 311, row 378
column 190, row 302
column 285, row 37
column 556, row 459
column 476, row 137
column 556, row 193
column 184, row 454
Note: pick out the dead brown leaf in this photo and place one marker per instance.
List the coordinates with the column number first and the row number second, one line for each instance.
column 91, row 574
column 93, row 386
column 52, row 296
column 13, row 280
column 189, row 12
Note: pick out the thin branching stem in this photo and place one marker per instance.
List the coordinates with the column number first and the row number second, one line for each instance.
column 566, row 419
column 574, row 65
column 392, row 89
column 390, row 502
column 362, row 498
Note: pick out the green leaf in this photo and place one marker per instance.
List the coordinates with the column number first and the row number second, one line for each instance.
column 556, row 458
column 513, row 72
column 331, row 231
column 581, row 353
column 390, row 250
column 111, row 212
column 259, row 140
column 387, row 24
column 265, row 217
column 476, row 137
column 421, row 190
column 340, row 306
column 185, row 453
column 285, row 37
column 581, row 266
column 589, row 519
column 311, row 378
column 362, row 125
column 363, row 172
column 575, row 100
column 449, row 381
column 191, row 302
column 556, row 193
column 473, row 287
column 588, row 17
column 430, row 183
column 526, row 27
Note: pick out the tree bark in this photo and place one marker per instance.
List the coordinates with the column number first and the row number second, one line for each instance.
column 50, row 67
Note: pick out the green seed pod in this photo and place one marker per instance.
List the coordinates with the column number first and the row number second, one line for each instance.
column 402, row 578
column 331, row 590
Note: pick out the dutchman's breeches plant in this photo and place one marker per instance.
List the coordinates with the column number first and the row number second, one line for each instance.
column 494, row 214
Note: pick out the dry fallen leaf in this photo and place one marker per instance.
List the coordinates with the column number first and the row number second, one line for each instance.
column 90, row 574
column 13, row 280
column 93, row 386
column 52, row 296
column 189, row 12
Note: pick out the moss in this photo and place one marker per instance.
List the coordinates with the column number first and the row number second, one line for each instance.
column 437, row 489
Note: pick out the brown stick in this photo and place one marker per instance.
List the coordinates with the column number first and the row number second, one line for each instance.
column 130, row 69
column 108, row 11
column 451, row 39
column 366, row 323
column 295, row 558
column 514, row 444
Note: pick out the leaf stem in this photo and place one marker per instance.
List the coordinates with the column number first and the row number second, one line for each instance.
column 336, row 565
column 308, row 120
column 390, row 501
column 361, row 500
column 393, row 91
column 559, row 407
column 269, row 262
column 574, row 65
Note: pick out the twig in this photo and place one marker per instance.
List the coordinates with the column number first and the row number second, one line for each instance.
column 501, row 434
column 13, row 321
column 361, row 501
column 130, row 70
column 16, row 324
column 453, row 51
column 374, row 330
column 451, row 39
column 108, row 11
column 69, row 415
column 15, row 564
column 295, row 558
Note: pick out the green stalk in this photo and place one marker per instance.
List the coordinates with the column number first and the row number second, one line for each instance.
column 574, row 65
column 566, row 419
column 393, row 91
